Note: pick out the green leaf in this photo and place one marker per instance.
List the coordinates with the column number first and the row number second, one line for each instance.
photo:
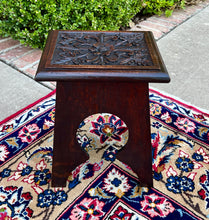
column 30, row 21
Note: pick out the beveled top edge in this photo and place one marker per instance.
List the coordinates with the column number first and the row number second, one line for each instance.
column 101, row 49
column 46, row 69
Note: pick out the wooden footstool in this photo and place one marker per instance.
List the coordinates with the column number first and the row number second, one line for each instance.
column 100, row 72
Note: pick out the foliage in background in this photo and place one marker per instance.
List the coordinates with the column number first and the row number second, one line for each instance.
column 30, row 20
column 159, row 7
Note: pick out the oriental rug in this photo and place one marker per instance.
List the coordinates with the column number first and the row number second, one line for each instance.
column 103, row 187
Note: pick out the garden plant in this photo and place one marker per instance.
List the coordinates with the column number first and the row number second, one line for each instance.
column 30, row 21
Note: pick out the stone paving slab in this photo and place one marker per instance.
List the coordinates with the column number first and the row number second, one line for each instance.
column 161, row 25
column 185, row 53
column 189, row 76
column 15, row 53
column 8, row 44
column 17, row 91
column 26, row 59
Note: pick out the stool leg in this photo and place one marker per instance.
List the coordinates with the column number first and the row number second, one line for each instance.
column 67, row 154
column 78, row 100
column 138, row 154
column 130, row 102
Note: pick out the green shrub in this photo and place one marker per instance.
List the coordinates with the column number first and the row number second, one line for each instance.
column 30, row 20
column 162, row 6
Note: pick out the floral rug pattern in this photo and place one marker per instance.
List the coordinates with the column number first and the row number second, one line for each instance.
column 103, row 187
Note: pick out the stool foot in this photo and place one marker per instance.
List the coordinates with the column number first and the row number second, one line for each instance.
column 59, row 182
column 60, row 175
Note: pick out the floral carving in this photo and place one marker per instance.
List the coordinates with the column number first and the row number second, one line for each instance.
column 89, row 48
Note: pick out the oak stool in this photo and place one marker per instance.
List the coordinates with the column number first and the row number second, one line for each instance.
column 96, row 72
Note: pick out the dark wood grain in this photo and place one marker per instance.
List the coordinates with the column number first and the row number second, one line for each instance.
column 141, row 62
column 109, row 82
column 129, row 101
column 101, row 48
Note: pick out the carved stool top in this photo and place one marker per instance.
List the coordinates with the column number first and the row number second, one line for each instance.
column 101, row 55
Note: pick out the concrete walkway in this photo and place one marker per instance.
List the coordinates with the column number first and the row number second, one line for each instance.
column 184, row 48
column 17, row 91
column 185, row 51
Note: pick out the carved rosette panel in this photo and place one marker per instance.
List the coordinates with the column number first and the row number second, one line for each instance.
column 99, row 48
